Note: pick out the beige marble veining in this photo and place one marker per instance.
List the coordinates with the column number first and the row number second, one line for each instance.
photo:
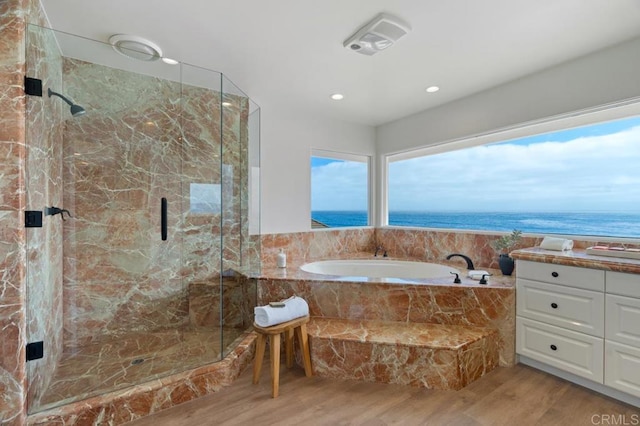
column 429, row 355
column 437, row 301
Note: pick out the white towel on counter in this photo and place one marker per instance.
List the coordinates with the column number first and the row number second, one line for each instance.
column 557, row 244
column 477, row 274
column 294, row 307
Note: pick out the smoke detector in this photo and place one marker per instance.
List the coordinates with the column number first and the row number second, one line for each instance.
column 135, row 47
column 378, row 34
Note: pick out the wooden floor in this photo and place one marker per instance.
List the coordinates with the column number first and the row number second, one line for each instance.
column 507, row 396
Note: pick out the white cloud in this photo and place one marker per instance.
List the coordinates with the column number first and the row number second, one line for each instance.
column 341, row 185
column 598, row 173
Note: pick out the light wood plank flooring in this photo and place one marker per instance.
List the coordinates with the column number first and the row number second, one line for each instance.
column 507, row 396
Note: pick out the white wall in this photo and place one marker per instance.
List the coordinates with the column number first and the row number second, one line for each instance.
column 603, row 77
column 287, row 138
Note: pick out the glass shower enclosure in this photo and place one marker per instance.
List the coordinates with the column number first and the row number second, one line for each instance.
column 150, row 225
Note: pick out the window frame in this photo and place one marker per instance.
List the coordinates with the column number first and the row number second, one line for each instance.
column 346, row 156
column 591, row 116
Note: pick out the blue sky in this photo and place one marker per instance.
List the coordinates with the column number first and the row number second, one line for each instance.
column 593, row 168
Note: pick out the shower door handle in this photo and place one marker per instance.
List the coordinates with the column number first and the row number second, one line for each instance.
column 163, row 219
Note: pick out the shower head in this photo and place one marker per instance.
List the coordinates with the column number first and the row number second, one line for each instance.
column 76, row 110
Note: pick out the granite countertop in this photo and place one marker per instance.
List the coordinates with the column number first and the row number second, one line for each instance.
column 578, row 258
column 293, row 272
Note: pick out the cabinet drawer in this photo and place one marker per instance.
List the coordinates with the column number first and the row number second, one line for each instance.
column 568, row 307
column 567, row 350
column 623, row 284
column 623, row 319
column 588, row 279
column 622, row 368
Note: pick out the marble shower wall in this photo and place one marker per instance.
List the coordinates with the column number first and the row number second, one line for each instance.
column 119, row 160
column 14, row 15
column 142, row 139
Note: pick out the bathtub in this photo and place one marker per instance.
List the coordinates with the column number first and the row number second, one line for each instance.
column 380, row 268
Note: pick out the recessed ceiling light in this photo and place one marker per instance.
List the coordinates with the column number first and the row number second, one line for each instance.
column 169, row 61
column 337, row 96
column 432, row 89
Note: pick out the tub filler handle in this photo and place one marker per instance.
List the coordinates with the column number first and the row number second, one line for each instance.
column 456, row 280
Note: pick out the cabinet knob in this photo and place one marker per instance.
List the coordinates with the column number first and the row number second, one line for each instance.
column 555, row 274
column 553, row 347
column 554, row 305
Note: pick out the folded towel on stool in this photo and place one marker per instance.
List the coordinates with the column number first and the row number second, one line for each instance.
column 294, row 307
column 558, row 244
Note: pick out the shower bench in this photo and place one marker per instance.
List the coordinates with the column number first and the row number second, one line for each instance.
column 435, row 356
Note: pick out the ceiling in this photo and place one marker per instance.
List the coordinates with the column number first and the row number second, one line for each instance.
column 288, row 53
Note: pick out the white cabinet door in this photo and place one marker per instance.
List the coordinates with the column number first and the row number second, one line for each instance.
column 623, row 284
column 623, row 320
column 568, row 307
column 567, row 350
column 622, row 368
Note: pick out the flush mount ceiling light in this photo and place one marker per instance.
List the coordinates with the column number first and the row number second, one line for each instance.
column 135, row 47
column 337, row 96
column 378, row 34
column 432, row 89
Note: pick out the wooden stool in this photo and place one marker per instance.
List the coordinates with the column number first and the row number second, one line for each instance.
column 299, row 326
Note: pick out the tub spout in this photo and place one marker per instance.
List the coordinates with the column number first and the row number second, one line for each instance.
column 466, row 258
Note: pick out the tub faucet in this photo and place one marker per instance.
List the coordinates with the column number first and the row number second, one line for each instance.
column 466, row 258
column 380, row 248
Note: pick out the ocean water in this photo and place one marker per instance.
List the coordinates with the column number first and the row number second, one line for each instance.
column 596, row 224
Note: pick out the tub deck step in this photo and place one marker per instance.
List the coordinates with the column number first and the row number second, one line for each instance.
column 434, row 356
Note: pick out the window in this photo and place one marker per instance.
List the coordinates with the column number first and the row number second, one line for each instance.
column 339, row 190
column 581, row 181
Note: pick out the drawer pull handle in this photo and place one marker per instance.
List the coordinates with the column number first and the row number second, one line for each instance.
column 555, row 274
column 554, row 305
column 554, row 347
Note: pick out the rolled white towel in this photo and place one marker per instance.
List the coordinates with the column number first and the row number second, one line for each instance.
column 558, row 244
column 477, row 274
column 294, row 307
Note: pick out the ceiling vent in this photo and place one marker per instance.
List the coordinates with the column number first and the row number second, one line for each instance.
column 380, row 33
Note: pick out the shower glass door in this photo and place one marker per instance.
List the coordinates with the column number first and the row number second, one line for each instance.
column 128, row 286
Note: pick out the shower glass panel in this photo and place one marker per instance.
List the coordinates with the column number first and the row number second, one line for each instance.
column 240, row 163
column 129, row 285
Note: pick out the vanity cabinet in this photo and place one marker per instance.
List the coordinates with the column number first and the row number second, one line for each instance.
column 560, row 317
column 582, row 321
column 622, row 335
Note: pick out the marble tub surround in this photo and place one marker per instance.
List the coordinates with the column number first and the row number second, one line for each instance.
column 435, row 245
column 293, row 272
column 426, row 245
column 325, row 243
column 434, row 356
column 119, row 407
column 579, row 258
column 467, row 304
